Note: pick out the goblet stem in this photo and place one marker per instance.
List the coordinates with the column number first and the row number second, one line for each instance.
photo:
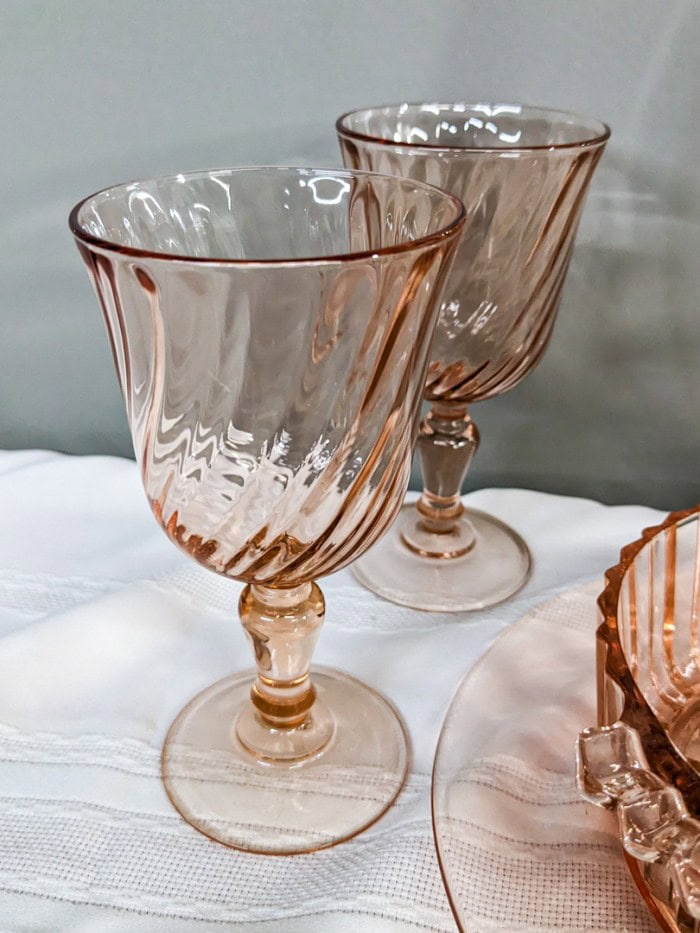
column 447, row 442
column 284, row 721
column 440, row 556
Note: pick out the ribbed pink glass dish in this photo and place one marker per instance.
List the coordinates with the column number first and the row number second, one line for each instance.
column 643, row 758
column 270, row 329
column 522, row 173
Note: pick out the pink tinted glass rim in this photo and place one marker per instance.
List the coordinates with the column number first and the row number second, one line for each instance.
column 438, row 236
column 598, row 137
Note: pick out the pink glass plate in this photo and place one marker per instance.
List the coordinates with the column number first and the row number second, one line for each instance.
column 518, row 848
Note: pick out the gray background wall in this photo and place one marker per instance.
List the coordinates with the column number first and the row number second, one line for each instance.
column 98, row 92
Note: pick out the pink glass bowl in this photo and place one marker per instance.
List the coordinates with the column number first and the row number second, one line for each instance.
column 642, row 760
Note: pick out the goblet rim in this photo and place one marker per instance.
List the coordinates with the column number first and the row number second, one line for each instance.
column 443, row 234
column 599, row 138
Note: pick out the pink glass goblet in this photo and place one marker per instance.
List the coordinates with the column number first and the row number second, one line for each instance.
column 270, row 329
column 522, row 173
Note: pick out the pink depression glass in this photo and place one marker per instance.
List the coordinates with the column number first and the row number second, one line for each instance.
column 642, row 760
column 522, row 173
column 270, row 329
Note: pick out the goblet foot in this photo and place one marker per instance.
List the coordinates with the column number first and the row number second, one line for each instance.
column 329, row 779
column 492, row 563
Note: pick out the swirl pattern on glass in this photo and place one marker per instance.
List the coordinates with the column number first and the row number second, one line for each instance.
column 270, row 329
column 522, row 173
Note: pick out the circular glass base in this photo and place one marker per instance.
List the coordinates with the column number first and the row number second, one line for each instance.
column 285, row 807
column 492, row 570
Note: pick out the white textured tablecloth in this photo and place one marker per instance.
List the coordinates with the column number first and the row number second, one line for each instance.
column 106, row 630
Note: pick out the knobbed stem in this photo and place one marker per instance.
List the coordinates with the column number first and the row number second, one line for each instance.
column 447, row 442
column 284, row 721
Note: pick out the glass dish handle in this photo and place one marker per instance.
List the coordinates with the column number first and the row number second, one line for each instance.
column 655, row 826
